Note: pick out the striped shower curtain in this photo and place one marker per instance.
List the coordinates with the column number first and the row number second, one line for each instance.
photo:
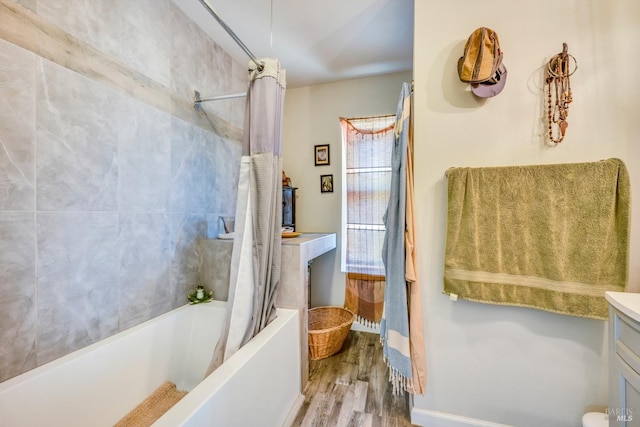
column 255, row 260
column 401, row 330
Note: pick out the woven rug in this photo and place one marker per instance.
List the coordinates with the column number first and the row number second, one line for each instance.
column 153, row 407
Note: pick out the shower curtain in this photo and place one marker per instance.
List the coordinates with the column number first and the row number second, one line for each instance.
column 401, row 330
column 255, row 259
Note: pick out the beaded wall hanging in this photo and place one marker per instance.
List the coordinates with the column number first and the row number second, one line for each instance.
column 559, row 94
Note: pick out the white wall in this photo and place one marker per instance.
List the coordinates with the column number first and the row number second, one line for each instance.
column 311, row 117
column 510, row 365
column 486, row 364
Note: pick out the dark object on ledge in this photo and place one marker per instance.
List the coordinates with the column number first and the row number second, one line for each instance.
column 289, row 207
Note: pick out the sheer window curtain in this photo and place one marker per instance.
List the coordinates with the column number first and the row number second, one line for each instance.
column 367, row 144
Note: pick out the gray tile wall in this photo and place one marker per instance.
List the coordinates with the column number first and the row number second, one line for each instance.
column 103, row 197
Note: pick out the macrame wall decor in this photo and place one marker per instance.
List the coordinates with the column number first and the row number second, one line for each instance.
column 559, row 94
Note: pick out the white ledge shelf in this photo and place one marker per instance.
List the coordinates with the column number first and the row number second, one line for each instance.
column 312, row 245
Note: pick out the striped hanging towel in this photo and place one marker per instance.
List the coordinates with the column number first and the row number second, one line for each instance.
column 394, row 326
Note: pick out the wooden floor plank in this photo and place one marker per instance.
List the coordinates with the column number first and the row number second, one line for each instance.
column 339, row 391
column 351, row 389
column 367, row 355
column 346, row 409
column 360, row 396
column 360, row 419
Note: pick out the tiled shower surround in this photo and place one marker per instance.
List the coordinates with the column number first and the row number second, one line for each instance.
column 104, row 188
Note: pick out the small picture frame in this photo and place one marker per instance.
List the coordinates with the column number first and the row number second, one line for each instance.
column 326, row 183
column 322, row 154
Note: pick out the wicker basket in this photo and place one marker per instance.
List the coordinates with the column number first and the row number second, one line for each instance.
column 328, row 328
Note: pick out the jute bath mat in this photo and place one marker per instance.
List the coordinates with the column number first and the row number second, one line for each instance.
column 153, row 407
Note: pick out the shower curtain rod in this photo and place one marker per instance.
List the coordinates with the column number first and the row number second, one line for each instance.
column 233, row 35
column 198, row 100
column 259, row 65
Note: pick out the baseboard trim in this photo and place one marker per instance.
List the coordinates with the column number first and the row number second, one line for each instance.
column 429, row 418
column 357, row 326
column 293, row 412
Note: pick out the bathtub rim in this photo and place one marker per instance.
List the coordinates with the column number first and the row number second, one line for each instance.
column 81, row 352
column 196, row 399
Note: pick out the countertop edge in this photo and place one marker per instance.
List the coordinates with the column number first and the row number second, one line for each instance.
column 627, row 303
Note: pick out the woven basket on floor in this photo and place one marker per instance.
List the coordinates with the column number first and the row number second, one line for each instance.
column 328, row 328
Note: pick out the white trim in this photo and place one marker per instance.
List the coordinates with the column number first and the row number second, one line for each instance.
column 369, row 170
column 429, row 418
column 357, row 326
column 374, row 227
column 343, row 199
column 293, row 412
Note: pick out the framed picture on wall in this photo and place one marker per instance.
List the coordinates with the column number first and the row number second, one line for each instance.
column 326, row 183
column 322, row 154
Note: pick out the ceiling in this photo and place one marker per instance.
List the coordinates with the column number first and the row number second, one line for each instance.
column 316, row 41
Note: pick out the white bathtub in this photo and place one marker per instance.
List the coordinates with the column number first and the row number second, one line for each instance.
column 99, row 384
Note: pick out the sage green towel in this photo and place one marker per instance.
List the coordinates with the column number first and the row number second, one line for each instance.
column 551, row 237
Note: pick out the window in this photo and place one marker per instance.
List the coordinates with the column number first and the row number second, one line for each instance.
column 366, row 176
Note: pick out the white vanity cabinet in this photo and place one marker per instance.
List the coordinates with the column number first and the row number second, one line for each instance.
column 624, row 359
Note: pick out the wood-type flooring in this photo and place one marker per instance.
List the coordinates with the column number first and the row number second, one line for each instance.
column 351, row 389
